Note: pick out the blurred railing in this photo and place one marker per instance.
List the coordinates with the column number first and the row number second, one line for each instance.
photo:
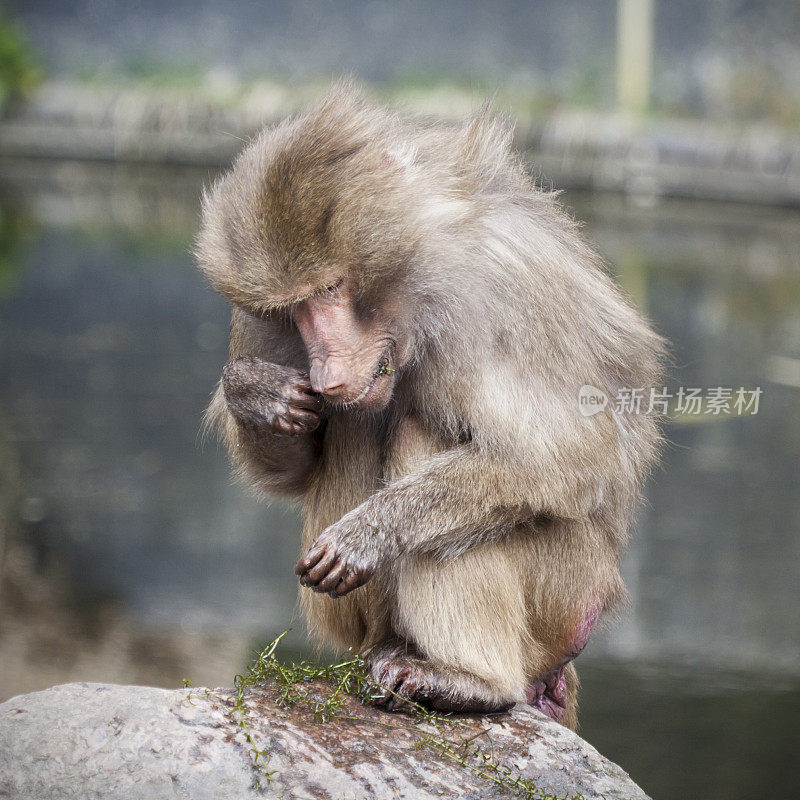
column 648, row 157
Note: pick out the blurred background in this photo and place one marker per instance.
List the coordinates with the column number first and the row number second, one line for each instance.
column 674, row 127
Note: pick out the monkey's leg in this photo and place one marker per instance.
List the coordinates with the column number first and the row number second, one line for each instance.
column 501, row 623
column 461, row 642
column 457, row 638
column 571, row 576
column 487, row 608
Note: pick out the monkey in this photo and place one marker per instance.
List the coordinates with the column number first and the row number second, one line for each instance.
column 412, row 320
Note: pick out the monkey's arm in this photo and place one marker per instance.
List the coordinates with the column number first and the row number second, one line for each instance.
column 452, row 501
column 269, row 419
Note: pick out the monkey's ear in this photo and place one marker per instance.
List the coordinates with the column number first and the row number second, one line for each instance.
column 403, row 155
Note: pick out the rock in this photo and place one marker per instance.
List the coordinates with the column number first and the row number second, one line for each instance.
column 90, row 740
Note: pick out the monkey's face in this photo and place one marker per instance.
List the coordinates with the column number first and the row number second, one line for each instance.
column 354, row 352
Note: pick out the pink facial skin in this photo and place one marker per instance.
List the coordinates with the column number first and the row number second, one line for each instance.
column 353, row 360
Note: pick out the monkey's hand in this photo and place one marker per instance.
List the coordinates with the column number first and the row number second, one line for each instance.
column 343, row 557
column 266, row 397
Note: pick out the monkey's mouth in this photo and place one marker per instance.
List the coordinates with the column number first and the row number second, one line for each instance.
column 384, row 368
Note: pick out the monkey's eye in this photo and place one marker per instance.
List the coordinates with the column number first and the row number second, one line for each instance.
column 333, row 287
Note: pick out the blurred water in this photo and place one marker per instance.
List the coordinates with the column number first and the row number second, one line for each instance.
column 129, row 556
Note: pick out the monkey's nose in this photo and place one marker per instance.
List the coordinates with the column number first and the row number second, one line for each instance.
column 329, row 380
column 332, row 390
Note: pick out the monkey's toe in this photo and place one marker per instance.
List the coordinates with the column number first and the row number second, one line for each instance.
column 394, row 675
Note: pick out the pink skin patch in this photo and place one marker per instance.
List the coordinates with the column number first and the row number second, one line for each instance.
column 582, row 633
column 549, row 693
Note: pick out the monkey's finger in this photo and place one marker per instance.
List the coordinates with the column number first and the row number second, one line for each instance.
column 301, row 382
column 306, row 420
column 344, row 586
column 321, row 570
column 300, row 375
column 291, row 427
column 330, row 581
column 283, row 426
column 311, row 558
column 306, row 398
column 351, row 581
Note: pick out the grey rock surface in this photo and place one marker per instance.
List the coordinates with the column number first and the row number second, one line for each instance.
column 89, row 740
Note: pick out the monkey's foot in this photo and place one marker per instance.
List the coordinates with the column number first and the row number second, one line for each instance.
column 407, row 680
column 549, row 694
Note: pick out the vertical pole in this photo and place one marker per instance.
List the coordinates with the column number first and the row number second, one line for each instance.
column 634, row 53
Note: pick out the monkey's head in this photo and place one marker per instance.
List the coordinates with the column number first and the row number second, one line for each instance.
column 317, row 225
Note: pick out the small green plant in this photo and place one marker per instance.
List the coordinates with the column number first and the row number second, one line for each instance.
column 437, row 732
column 20, row 72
